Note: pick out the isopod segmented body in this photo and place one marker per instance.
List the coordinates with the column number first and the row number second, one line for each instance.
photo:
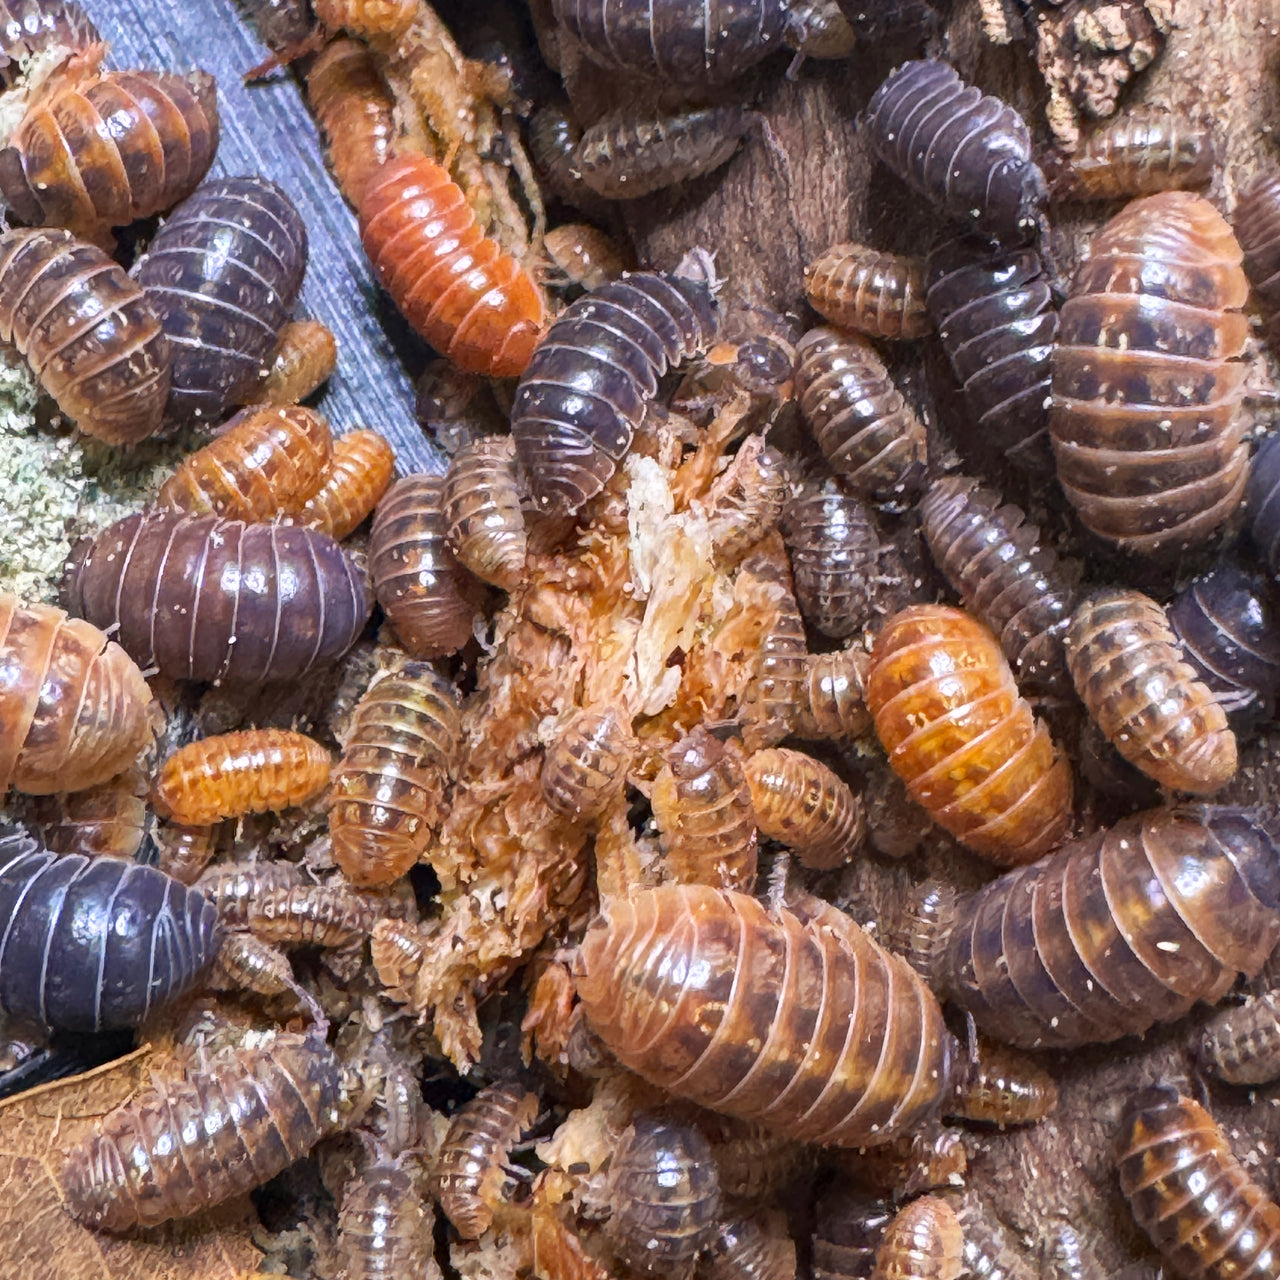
column 989, row 1251
column 120, row 146
column 74, row 708
column 305, row 356
column 968, row 153
column 310, row 915
column 233, row 887
column 359, row 473
column 223, row 273
column 385, row 1228
column 1004, row 574
column 266, row 462
column 1001, row 1087
column 592, row 378
column 1257, row 227
column 246, row 963
column 799, row 802
column 483, row 520
column 457, row 288
column 202, row 598
column 586, row 766
column 90, row 944
column 958, row 733
column 585, row 255
column 812, row 1066
column 184, row 852
column 923, row 1242
column 833, row 705
column 470, row 1169
column 368, row 19
column 1146, row 150
column 90, row 334
column 1147, row 380
column 848, row 1228
column 745, row 501
column 1241, row 1044
column 389, row 784
column 869, row 291
column 30, row 28
column 233, row 774
column 1263, row 503
column 867, row 432
column 994, row 312
column 744, row 1250
column 1205, row 1215
column 1132, row 675
column 186, row 1145
column 105, row 821
column 1118, row 931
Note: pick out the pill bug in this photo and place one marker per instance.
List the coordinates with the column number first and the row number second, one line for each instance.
column 554, row 135
column 1176, row 904
column 1225, row 622
column 31, row 28
column 246, row 963
column 360, row 471
column 202, row 598
column 306, row 354
column 184, row 852
column 870, row 291
column 593, row 377
column 265, row 463
column 958, row 733
column 428, row 598
column 89, row 333
column 809, row 1066
column 998, row 564
column 890, row 21
column 989, row 1251
column 745, row 501
column 702, row 807
column 482, row 517
column 1263, row 503
column 232, row 887
column 372, row 20
column 996, row 320
column 743, row 1250
column 109, row 820
column 1241, row 1044
column 309, row 915
column 1132, row 675
column 755, row 355
column 821, row 31
column 923, row 1242
column 833, row 706
column 965, row 151
column 834, row 552
column 848, row 1227
column 584, row 255
column 1147, row 380
column 471, row 1166
column 385, row 1227
column 189, row 1144
column 458, row 289
column 120, row 146
column 90, row 944
column 1146, row 150
column 1257, row 227
column 1001, row 1087
column 867, row 432
column 1196, row 1202
column 917, row 931
column 663, row 1191
column 802, row 804
column 387, row 789
column 74, row 709
column 233, row 774
column 754, row 1162
column 223, row 273
column 587, row 764
column 625, row 155
column 282, row 25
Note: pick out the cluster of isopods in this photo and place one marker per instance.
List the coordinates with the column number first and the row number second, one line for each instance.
column 575, row 832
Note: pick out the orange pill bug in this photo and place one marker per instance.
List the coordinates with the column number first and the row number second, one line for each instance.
column 1002, row 1087
column 460, row 291
column 584, row 255
column 106, row 821
column 765, row 1016
column 305, row 357
column 833, row 706
column 1146, row 150
column 483, row 520
column 232, row 774
column 869, row 291
column 958, row 733
column 587, row 765
column 799, row 802
column 388, row 786
column 1133, row 676
column 923, row 1242
column 264, row 463
column 360, row 472
column 74, row 708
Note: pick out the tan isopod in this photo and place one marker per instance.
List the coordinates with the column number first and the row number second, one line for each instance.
column 482, row 517
column 305, row 357
column 923, row 1242
column 360, row 472
column 799, row 802
column 870, row 291
column 833, row 706
column 587, row 764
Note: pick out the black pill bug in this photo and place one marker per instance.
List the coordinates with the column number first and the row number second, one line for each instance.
column 91, row 944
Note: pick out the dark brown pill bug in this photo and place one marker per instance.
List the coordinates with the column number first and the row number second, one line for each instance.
column 553, row 147
column 90, row 944
column 802, row 804
column 624, row 156
column 106, row 821
column 201, row 598
column 429, row 599
column 746, row 500
column 890, row 21
column 223, row 273
column 1257, row 227
column 32, row 28
column 1197, row 1203
column 923, row 1242
column 593, row 377
column 1004, row 574
column 848, row 1227
column 867, row 432
column 993, row 309
column 1263, row 503
column 1145, row 150
column 1002, row 1087
column 832, row 706
column 663, row 1191
column 1116, row 932
column 966, row 152
column 587, row 765
column 870, row 291
column 834, row 557
column 482, row 517
column 744, row 1250
column 186, row 1145
column 89, row 333
column 386, row 1228
column 1227, row 624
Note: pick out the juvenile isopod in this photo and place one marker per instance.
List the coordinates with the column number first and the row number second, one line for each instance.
column 848, row 1228
column 109, row 820
column 386, row 1229
column 923, row 1242
column 1143, row 151
column 360, row 471
column 185, row 852
column 584, row 255
column 482, row 517
column 867, row 432
column 223, row 273
column 833, row 705
column 587, row 764
column 202, row 598
column 966, row 152
column 1132, row 675
column 869, row 291
column 246, row 963
column 593, row 377
column 233, row 887
column 373, row 20
column 801, row 803
column 1241, row 1044
column 309, row 915
column 1197, row 1203
column 388, row 787
column 744, row 1250
column 1257, row 227
column 265, row 463
column 89, row 332
column 305, row 356
column 1002, row 1087
column 958, row 733
column 1147, row 379
column 745, row 501
column 989, row 1251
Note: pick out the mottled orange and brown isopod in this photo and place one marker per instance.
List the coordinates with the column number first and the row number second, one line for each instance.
column 801, row 803
column 869, row 291
column 1143, row 151
column 359, row 473
column 1002, row 1087
column 482, row 517
column 587, row 764
column 306, row 355
column 923, row 1242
